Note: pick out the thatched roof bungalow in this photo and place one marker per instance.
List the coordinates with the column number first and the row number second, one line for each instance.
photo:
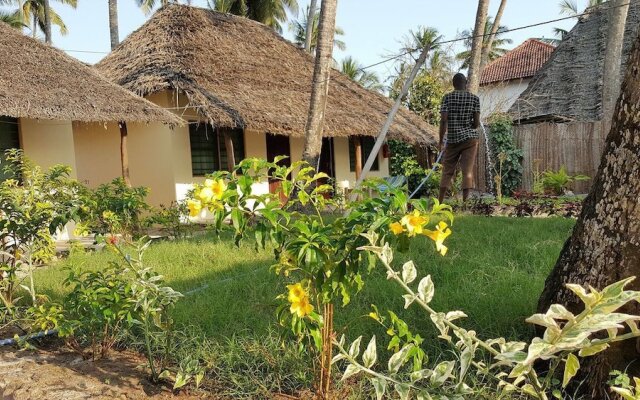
column 238, row 73
column 558, row 117
column 45, row 96
column 245, row 88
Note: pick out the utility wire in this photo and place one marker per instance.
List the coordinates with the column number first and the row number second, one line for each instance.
column 460, row 39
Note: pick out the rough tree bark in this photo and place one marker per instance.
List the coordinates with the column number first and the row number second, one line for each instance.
column 320, row 84
column 613, row 59
column 486, row 49
column 476, row 46
column 113, row 23
column 47, row 22
column 605, row 244
column 308, row 40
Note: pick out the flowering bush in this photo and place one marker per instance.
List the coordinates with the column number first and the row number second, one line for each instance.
column 34, row 204
column 566, row 337
column 315, row 252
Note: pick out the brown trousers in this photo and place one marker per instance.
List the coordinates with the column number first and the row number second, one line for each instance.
column 464, row 153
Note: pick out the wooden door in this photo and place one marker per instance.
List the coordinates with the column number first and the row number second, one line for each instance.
column 278, row 145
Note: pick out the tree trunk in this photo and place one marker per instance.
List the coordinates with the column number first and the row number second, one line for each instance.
column 34, row 31
column 320, row 84
column 476, row 46
column 47, row 22
column 308, row 40
column 124, row 153
column 605, row 244
column 613, row 59
column 113, row 23
column 486, row 49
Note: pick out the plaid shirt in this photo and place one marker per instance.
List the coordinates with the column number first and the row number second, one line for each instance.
column 460, row 107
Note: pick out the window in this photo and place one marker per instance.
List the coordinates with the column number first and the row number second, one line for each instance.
column 9, row 139
column 367, row 143
column 208, row 152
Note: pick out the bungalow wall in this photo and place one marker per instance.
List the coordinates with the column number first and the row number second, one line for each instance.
column 48, row 142
column 160, row 157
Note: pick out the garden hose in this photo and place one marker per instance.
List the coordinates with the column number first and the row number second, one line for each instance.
column 14, row 340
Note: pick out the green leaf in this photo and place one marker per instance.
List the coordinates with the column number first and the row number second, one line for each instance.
column 380, row 386
column 350, row 371
column 400, row 358
column 442, row 372
column 571, row 367
column 426, row 289
column 354, row 349
column 594, row 349
column 409, row 272
column 403, row 390
column 370, row 355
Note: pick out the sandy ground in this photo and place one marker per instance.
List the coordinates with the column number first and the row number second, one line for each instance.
column 58, row 375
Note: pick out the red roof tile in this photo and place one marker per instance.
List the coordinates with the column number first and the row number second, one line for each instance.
column 522, row 62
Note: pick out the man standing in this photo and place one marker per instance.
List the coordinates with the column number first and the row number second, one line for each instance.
column 460, row 120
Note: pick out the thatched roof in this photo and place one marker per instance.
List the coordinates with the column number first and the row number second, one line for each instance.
column 240, row 73
column 569, row 86
column 39, row 81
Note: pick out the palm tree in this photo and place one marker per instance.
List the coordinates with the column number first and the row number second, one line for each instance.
column 497, row 45
column 477, row 42
column 299, row 28
column 366, row 79
column 612, row 59
column 269, row 12
column 32, row 13
column 113, row 23
column 13, row 19
column 571, row 8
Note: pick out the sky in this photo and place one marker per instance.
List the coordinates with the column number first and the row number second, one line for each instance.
column 373, row 28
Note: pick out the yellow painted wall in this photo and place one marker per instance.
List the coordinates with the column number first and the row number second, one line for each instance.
column 97, row 150
column 48, row 142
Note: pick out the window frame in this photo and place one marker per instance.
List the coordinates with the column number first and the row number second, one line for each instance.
column 216, row 148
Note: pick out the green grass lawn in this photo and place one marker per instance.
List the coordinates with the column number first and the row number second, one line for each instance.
column 494, row 271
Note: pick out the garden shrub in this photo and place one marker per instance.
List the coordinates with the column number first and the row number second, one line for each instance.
column 115, row 208
column 560, row 182
column 173, row 219
column 507, row 158
column 34, row 204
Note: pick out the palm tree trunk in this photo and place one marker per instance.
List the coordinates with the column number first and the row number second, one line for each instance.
column 605, row 244
column 486, row 49
column 47, row 22
column 124, row 153
column 34, row 31
column 476, row 46
column 113, row 23
column 308, row 40
column 613, row 59
column 320, row 85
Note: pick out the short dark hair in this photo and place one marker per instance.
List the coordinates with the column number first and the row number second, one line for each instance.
column 459, row 80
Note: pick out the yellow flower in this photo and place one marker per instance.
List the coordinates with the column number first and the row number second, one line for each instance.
column 296, row 292
column 205, row 194
column 414, row 222
column 439, row 235
column 396, row 228
column 301, row 307
column 218, row 188
column 208, row 183
column 195, row 206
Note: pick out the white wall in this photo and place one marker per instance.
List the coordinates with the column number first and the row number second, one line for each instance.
column 499, row 97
